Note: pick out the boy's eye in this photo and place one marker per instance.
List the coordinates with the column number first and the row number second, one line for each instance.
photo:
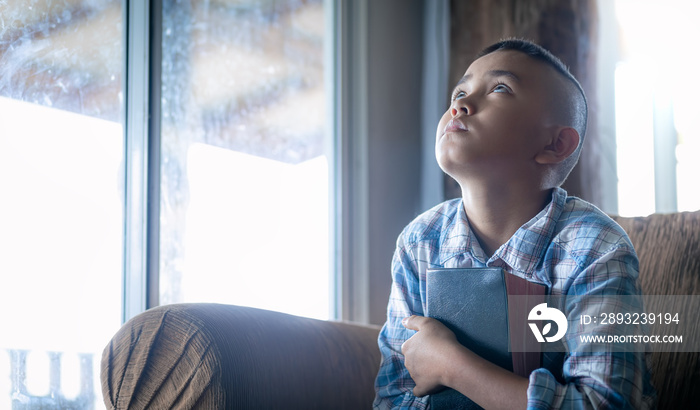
column 501, row 88
column 458, row 94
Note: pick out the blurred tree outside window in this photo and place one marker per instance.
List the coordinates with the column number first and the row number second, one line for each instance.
column 245, row 155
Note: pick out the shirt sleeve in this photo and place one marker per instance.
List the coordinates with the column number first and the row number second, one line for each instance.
column 393, row 385
column 606, row 377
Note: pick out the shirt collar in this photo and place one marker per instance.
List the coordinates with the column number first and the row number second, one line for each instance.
column 458, row 239
column 523, row 252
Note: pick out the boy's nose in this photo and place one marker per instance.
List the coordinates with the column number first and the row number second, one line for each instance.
column 456, row 110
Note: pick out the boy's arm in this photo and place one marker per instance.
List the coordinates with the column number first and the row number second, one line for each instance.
column 609, row 377
column 394, row 384
column 435, row 359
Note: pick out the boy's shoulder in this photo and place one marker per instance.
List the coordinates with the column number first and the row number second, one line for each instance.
column 582, row 228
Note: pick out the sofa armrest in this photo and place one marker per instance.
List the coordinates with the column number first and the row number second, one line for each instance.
column 223, row 356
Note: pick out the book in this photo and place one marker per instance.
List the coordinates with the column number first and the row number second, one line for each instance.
column 474, row 304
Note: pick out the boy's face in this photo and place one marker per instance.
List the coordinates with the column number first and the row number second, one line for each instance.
column 498, row 118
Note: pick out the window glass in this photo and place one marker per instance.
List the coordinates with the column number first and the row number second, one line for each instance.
column 61, row 149
column 244, row 185
column 658, row 129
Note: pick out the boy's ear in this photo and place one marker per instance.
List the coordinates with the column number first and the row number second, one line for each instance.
column 564, row 143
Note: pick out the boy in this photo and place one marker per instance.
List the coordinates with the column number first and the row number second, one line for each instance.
column 511, row 136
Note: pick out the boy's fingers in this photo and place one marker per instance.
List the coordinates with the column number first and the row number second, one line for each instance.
column 413, row 322
column 406, row 322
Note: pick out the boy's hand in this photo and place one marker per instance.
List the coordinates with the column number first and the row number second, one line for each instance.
column 429, row 353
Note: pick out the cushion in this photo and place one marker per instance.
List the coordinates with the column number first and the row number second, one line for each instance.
column 668, row 246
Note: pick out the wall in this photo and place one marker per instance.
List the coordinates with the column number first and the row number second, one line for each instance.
column 394, row 83
column 393, row 75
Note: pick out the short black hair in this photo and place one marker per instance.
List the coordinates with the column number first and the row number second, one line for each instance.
column 539, row 53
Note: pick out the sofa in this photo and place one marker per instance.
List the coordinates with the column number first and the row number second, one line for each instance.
column 214, row 356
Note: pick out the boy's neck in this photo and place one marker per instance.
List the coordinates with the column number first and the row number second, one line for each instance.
column 495, row 214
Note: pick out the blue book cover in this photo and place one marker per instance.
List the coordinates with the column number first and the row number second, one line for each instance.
column 473, row 303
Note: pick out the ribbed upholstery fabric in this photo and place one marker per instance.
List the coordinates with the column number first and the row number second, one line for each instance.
column 212, row 356
column 668, row 246
column 164, row 358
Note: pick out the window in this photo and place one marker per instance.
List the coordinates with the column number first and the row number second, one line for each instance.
column 245, row 156
column 61, row 161
column 244, row 175
column 658, row 135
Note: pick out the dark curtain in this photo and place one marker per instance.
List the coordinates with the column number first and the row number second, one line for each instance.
column 567, row 28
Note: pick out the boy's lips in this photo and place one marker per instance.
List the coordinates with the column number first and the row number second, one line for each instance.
column 455, row 125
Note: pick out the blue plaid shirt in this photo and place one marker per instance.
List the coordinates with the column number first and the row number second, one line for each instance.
column 570, row 246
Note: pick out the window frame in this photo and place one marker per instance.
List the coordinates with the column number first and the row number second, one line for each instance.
column 138, row 175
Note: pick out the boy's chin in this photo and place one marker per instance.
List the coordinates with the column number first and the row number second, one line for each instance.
column 447, row 169
column 480, row 172
column 456, row 168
